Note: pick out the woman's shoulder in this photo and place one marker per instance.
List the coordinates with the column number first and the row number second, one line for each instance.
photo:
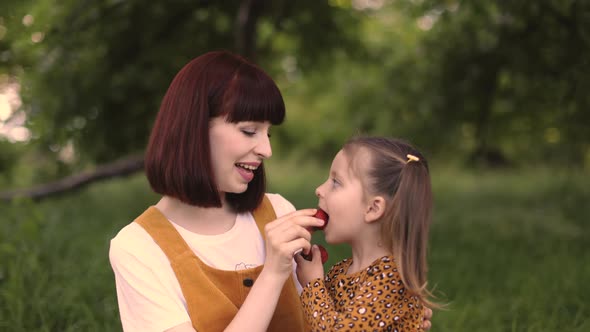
column 280, row 204
column 131, row 233
column 132, row 240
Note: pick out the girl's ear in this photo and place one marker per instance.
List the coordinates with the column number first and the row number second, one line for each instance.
column 375, row 209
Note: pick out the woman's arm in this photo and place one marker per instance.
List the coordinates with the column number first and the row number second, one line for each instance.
column 258, row 308
column 147, row 304
column 184, row 327
column 284, row 236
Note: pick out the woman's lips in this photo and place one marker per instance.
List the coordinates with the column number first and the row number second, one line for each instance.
column 247, row 175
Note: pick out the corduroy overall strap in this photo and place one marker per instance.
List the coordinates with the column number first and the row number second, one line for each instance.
column 186, row 267
column 264, row 214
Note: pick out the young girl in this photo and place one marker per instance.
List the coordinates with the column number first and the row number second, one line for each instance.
column 379, row 200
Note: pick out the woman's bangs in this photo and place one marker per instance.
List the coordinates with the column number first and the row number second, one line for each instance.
column 253, row 96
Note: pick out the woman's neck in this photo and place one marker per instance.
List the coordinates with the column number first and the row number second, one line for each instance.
column 200, row 220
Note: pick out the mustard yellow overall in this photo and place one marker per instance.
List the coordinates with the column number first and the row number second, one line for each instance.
column 214, row 296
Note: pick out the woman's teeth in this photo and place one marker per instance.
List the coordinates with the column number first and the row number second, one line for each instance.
column 248, row 167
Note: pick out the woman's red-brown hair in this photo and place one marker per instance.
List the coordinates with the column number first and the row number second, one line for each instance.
column 178, row 156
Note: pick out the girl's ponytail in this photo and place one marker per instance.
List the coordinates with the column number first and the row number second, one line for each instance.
column 411, row 214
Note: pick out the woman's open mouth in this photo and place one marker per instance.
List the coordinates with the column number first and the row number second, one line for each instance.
column 246, row 170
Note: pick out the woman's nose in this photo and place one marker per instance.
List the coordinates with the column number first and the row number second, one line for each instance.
column 263, row 148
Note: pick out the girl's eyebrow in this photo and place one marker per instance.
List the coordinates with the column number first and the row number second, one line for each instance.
column 335, row 174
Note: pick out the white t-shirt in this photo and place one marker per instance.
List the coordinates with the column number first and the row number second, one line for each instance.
column 148, row 293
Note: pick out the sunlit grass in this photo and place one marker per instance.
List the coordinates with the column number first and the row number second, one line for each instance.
column 508, row 250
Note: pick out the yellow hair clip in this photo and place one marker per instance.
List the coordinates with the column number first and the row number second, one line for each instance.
column 411, row 157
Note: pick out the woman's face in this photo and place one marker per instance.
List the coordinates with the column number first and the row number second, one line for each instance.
column 341, row 196
column 236, row 150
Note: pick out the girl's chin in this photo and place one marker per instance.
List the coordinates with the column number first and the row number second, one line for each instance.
column 329, row 240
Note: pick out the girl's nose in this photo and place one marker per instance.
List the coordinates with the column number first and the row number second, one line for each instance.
column 318, row 192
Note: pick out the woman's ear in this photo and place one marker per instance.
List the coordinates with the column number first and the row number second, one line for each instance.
column 375, row 209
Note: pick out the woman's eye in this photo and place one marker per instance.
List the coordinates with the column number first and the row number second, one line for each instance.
column 249, row 132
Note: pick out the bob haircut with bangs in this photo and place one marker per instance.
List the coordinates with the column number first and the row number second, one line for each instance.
column 178, row 155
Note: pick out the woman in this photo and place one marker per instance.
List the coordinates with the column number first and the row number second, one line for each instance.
column 212, row 255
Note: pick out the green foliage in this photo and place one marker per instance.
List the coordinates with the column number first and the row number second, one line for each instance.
column 8, row 158
column 506, row 76
column 498, row 83
column 456, row 78
column 54, row 270
column 506, row 250
column 97, row 77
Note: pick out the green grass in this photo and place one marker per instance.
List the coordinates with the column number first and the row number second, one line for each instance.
column 508, row 251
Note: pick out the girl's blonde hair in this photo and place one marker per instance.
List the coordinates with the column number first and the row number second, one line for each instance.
column 399, row 172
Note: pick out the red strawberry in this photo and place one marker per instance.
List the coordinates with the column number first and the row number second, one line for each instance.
column 321, row 214
column 323, row 253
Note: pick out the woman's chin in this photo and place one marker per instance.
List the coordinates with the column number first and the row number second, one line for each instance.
column 240, row 189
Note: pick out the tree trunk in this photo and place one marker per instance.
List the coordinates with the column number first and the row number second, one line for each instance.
column 246, row 25
column 117, row 168
column 485, row 153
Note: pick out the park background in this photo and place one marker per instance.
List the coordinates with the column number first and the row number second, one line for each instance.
column 495, row 93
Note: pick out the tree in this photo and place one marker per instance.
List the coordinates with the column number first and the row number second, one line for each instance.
column 94, row 75
column 509, row 76
column 499, row 81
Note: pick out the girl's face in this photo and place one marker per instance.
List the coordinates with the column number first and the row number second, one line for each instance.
column 236, row 150
column 341, row 196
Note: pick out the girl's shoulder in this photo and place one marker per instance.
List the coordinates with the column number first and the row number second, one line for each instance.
column 339, row 268
column 385, row 264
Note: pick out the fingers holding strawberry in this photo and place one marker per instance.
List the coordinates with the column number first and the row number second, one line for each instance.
column 284, row 237
column 323, row 254
column 319, row 214
column 312, row 268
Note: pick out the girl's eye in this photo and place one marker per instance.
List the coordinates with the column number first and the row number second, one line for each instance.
column 248, row 132
column 335, row 183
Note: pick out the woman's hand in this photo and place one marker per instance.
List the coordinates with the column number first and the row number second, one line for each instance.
column 426, row 324
column 286, row 236
column 309, row 270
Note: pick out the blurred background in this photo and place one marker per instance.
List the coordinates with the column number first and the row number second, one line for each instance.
column 495, row 93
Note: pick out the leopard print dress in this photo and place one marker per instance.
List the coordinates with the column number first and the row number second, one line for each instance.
column 373, row 299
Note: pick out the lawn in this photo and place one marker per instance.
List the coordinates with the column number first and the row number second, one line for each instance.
column 509, row 250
